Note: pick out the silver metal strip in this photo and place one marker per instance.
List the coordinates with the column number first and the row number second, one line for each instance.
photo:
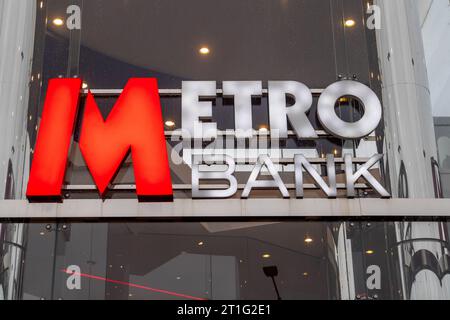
column 291, row 134
column 187, row 187
column 285, row 161
column 167, row 92
column 216, row 208
column 231, row 133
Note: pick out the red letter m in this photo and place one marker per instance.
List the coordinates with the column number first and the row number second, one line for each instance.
column 135, row 124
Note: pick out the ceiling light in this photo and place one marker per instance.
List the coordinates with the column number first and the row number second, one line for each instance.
column 263, row 129
column 201, row 243
column 58, row 22
column 350, row 23
column 204, row 50
column 85, row 85
column 170, row 123
column 308, row 239
column 370, row 252
column 305, row 274
column 266, row 255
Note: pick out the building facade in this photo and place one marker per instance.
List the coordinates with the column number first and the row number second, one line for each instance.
column 336, row 226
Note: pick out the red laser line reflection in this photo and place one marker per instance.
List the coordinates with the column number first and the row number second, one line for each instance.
column 132, row 285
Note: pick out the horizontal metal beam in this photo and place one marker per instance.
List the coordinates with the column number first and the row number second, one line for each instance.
column 168, row 92
column 259, row 133
column 230, row 208
column 286, row 161
column 322, row 134
column 188, row 187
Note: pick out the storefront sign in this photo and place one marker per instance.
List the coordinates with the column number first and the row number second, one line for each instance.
column 135, row 124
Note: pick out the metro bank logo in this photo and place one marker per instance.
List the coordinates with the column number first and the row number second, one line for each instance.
column 134, row 125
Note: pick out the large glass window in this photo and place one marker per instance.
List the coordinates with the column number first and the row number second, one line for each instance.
column 211, row 260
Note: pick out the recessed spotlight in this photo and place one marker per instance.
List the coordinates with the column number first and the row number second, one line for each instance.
column 42, row 233
column 369, row 252
column 201, row 243
column 305, row 274
column 204, row 50
column 58, row 22
column 178, row 278
column 350, row 23
column 308, row 239
column 170, row 123
column 266, row 255
column 85, row 85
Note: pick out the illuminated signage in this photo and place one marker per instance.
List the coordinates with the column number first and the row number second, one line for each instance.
column 135, row 125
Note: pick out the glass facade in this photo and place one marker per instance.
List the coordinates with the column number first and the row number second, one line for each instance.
column 223, row 260
column 219, row 260
column 316, row 42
